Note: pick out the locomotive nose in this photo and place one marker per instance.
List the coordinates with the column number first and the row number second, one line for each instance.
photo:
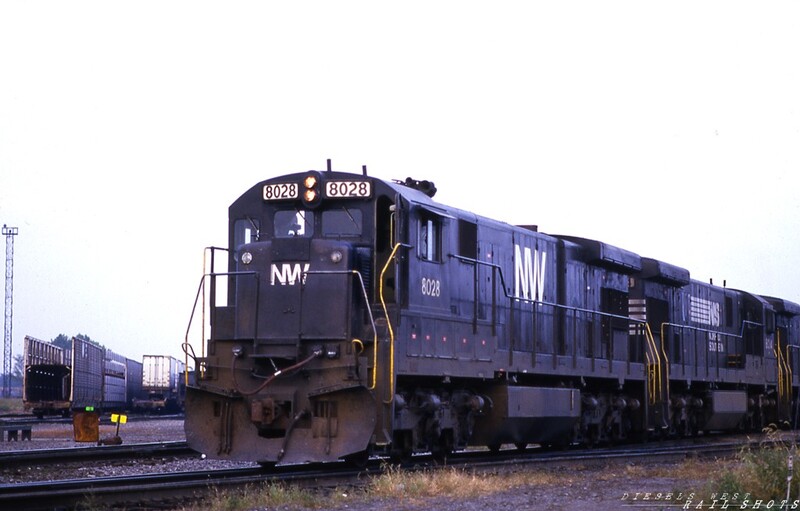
column 276, row 428
column 297, row 367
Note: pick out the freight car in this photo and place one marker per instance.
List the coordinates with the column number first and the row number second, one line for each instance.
column 163, row 384
column 135, row 374
column 58, row 381
column 361, row 316
column 46, row 383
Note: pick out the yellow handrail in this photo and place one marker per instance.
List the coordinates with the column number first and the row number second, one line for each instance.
column 789, row 371
column 787, row 375
column 391, row 333
column 651, row 390
column 776, row 350
column 780, row 377
column 784, row 371
column 655, row 385
column 666, row 358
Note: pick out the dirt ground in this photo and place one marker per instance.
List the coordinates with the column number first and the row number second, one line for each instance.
column 54, row 434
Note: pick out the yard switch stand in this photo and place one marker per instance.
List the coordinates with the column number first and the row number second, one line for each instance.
column 118, row 419
column 116, row 439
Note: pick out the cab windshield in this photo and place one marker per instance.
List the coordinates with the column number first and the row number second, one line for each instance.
column 294, row 223
column 341, row 222
column 334, row 223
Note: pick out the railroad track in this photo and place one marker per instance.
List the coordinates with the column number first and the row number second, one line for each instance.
column 160, row 490
column 55, row 419
column 88, row 454
column 168, row 490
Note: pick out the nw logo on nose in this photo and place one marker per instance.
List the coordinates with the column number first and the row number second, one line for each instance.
column 288, row 273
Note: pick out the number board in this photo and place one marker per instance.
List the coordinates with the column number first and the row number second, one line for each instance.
column 348, row 189
column 281, row 191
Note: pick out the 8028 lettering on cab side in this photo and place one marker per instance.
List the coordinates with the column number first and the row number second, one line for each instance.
column 363, row 317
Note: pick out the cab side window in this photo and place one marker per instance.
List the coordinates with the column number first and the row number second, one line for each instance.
column 429, row 245
column 245, row 230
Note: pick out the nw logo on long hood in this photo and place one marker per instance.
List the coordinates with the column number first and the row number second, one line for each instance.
column 529, row 273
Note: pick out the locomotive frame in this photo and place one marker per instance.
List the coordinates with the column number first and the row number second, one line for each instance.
column 364, row 317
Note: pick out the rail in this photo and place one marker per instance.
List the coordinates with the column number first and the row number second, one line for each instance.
column 655, row 357
column 187, row 347
column 542, row 302
column 726, row 336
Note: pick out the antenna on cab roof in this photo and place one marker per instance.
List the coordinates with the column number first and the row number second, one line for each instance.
column 364, row 169
column 329, row 164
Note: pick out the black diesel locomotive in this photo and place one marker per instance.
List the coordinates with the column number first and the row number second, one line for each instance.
column 362, row 317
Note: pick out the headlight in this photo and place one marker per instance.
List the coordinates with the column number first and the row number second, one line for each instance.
column 336, row 256
column 310, row 195
column 312, row 189
column 247, row 258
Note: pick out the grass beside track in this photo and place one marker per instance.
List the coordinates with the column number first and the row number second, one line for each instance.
column 427, row 489
column 755, row 476
column 11, row 405
column 395, row 485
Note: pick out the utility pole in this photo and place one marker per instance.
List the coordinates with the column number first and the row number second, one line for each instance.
column 9, row 233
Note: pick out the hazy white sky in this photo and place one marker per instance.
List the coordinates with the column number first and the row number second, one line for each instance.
column 127, row 128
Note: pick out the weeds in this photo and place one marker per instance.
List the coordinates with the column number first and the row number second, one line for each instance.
column 268, row 496
column 393, row 485
column 763, row 472
column 11, row 405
